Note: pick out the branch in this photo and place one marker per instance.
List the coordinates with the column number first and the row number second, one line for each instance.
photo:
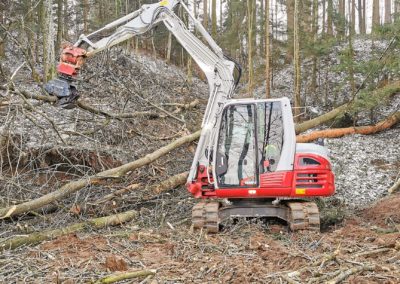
column 96, row 223
column 344, row 274
column 74, row 186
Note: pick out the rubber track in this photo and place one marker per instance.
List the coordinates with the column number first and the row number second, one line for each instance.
column 304, row 216
column 206, row 215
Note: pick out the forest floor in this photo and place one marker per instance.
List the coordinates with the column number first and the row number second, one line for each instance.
column 49, row 146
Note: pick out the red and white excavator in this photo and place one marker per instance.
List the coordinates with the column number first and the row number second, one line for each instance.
column 247, row 162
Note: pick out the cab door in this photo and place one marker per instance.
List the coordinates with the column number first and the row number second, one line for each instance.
column 236, row 155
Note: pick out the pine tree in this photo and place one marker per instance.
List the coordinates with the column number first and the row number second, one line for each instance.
column 375, row 15
column 250, row 19
column 388, row 11
column 214, row 19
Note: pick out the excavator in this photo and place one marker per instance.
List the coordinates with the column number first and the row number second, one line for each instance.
column 247, row 162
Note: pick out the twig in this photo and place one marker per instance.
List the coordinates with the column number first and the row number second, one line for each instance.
column 124, row 276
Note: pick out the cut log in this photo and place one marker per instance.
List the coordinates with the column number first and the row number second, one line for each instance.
column 395, row 187
column 124, row 276
column 96, row 223
column 339, row 132
column 346, row 273
column 74, row 186
column 172, row 182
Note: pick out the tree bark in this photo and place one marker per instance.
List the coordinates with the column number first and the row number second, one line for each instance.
column 250, row 19
column 60, row 19
column 330, row 17
column 75, row 186
column 205, row 14
column 290, row 29
column 297, row 70
column 339, row 132
column 96, row 223
column 388, row 11
column 214, row 19
column 267, row 52
column 375, row 15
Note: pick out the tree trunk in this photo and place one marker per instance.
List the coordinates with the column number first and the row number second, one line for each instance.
column 214, row 19
column 169, row 47
column 250, row 20
column 95, row 223
column 297, row 70
column 364, row 13
column 315, row 38
column 375, row 15
column 323, row 16
column 74, row 186
column 388, row 11
column 330, row 18
column 60, row 19
column 353, row 17
column 290, row 28
column 339, row 132
column 360, row 17
column 47, row 40
column 205, row 14
column 267, row 52
column 341, row 19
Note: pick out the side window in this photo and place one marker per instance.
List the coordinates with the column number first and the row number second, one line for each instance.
column 270, row 135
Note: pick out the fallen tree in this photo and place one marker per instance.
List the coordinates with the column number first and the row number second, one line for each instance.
column 74, row 186
column 395, row 187
column 385, row 91
column 339, row 132
column 125, row 275
column 95, row 223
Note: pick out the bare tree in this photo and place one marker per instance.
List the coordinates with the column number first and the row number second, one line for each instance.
column 267, row 52
column 375, row 14
column 388, row 11
column 296, row 56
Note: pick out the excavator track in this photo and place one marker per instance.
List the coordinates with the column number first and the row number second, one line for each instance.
column 205, row 215
column 303, row 216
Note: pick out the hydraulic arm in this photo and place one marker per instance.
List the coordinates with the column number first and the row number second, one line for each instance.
column 218, row 69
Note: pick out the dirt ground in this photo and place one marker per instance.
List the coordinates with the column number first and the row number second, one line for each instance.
column 251, row 251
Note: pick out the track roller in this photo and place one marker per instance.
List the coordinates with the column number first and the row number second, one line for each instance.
column 303, row 216
column 206, row 215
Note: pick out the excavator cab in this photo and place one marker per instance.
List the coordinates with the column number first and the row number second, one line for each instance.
column 250, row 142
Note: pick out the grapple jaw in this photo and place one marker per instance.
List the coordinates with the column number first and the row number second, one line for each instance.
column 65, row 92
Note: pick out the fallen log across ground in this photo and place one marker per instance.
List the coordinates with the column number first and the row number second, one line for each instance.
column 339, row 132
column 395, row 187
column 388, row 90
column 76, row 185
column 346, row 273
column 125, row 276
column 95, row 223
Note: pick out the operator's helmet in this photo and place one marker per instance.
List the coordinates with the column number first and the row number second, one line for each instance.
column 271, row 151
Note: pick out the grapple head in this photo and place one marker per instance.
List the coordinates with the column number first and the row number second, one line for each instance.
column 65, row 92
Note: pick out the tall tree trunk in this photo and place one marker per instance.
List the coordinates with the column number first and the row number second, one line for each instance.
column 315, row 37
column 353, row 16
column 60, row 19
column 351, row 61
column 341, row 19
column 330, row 18
column 250, row 5
column 375, row 15
column 296, row 56
column 267, row 52
column 364, row 16
column 396, row 10
column 214, row 19
column 360, row 16
column 388, row 11
column 290, row 28
column 47, row 40
column 205, row 14
column 323, row 16
column 65, row 26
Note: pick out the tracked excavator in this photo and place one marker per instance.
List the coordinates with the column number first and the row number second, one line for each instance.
column 247, row 162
